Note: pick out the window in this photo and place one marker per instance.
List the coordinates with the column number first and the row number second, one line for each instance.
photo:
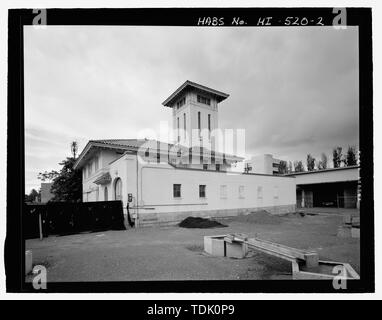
column 205, row 166
column 118, row 189
column 204, row 100
column 275, row 192
column 199, row 124
column 84, row 173
column 209, row 124
column 96, row 164
column 259, row 192
column 184, row 124
column 218, row 167
column 178, row 128
column 147, row 152
column 90, row 169
column 241, row 192
column 223, row 192
column 105, row 195
column 176, row 190
column 181, row 102
column 202, row 191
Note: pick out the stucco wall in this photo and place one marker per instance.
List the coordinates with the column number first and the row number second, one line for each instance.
column 157, row 204
column 153, row 202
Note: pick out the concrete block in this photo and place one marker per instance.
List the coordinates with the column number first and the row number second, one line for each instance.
column 28, row 261
column 236, row 250
column 355, row 232
column 311, row 260
column 214, row 245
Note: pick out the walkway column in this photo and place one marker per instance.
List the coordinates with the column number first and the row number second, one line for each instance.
column 302, row 198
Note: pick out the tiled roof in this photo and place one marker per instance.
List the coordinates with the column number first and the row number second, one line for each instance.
column 130, row 143
column 220, row 96
column 135, row 144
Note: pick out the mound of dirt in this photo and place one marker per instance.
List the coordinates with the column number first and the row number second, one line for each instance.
column 196, row 222
column 297, row 214
column 259, row 217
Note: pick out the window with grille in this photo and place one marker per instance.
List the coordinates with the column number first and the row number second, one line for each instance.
column 241, row 192
column 202, row 191
column 204, row 100
column 177, row 190
column 223, row 192
column 181, row 103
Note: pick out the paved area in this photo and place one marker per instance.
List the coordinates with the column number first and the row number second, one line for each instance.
column 177, row 254
column 330, row 210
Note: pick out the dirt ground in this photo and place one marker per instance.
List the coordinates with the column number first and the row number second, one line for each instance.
column 176, row 253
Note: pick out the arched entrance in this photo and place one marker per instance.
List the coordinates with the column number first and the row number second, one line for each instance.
column 118, row 189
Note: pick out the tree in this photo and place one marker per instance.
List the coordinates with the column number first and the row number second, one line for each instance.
column 310, row 162
column 282, row 167
column 290, row 167
column 323, row 163
column 351, row 156
column 43, row 176
column 337, row 157
column 33, row 196
column 298, row 166
column 67, row 184
column 74, row 148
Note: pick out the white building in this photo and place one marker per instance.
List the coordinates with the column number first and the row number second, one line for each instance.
column 264, row 163
column 164, row 183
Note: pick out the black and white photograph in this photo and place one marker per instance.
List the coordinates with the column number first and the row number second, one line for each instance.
column 231, row 149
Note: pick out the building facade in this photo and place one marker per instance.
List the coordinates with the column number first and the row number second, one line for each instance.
column 163, row 183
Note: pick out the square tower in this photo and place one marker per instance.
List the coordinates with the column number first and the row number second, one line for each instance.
column 195, row 115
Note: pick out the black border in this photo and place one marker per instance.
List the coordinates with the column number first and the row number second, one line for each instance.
column 14, row 246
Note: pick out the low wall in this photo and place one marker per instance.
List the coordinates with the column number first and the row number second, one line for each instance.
column 173, row 218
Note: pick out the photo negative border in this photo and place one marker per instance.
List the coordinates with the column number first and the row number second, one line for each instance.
column 14, row 245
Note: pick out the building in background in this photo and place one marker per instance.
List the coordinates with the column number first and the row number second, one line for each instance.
column 46, row 194
column 264, row 164
column 334, row 187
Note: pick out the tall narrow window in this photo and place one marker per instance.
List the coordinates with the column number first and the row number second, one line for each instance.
column 118, row 189
column 184, row 124
column 223, row 192
column 209, row 124
column 176, row 190
column 199, row 125
column 178, row 128
column 218, row 167
column 241, row 192
column 259, row 192
column 105, row 196
column 202, row 191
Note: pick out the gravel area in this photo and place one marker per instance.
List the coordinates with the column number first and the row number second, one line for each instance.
column 177, row 253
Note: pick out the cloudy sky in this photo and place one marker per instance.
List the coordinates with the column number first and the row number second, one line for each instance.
column 294, row 90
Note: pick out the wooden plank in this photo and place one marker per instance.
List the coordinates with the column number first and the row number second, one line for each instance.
column 282, row 250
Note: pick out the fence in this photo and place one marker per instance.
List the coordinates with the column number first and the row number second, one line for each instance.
column 58, row 218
